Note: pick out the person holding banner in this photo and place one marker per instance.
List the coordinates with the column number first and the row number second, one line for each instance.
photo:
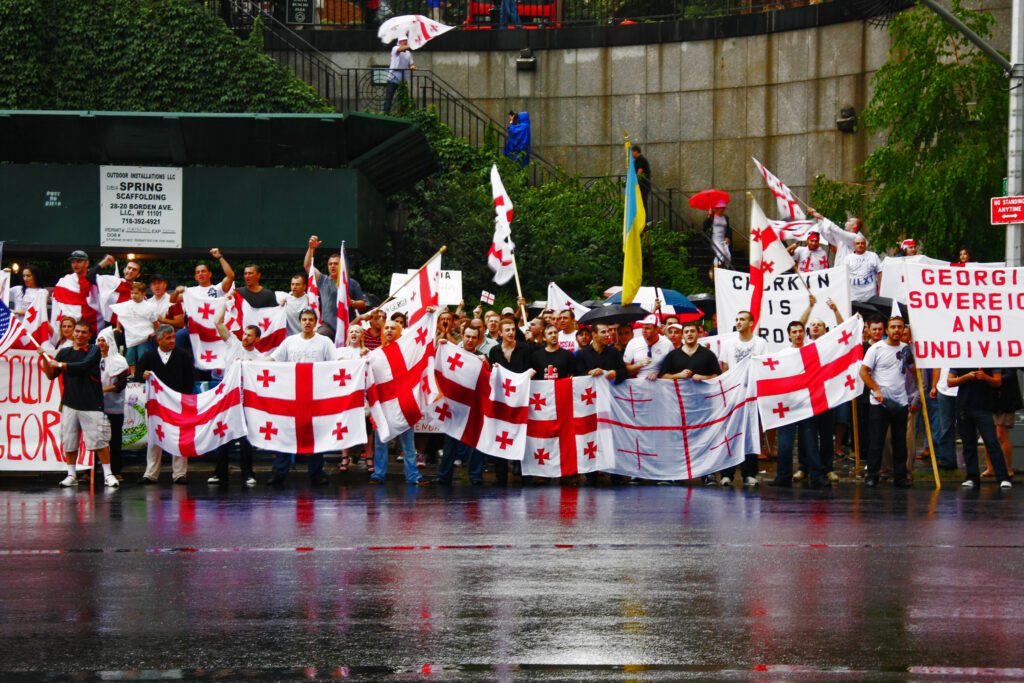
column 735, row 350
column 601, row 358
column 81, row 405
column 114, row 372
column 974, row 404
column 884, row 373
column 174, row 368
column 644, row 355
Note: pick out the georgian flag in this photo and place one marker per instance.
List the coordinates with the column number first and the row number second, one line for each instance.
column 797, row 230
column 313, row 293
column 189, row 425
column 682, row 429
column 558, row 300
column 421, row 289
column 112, row 289
column 768, row 257
column 202, row 310
column 272, row 321
column 787, row 202
column 35, row 323
column 305, row 407
column 797, row 383
column 75, row 297
column 486, row 408
column 342, row 314
column 501, row 256
column 401, row 376
column 563, row 434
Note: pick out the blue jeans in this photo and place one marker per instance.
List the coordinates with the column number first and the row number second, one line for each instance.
column 509, row 14
column 975, row 422
column 944, row 435
column 380, row 457
column 808, row 431
column 283, row 463
column 456, row 450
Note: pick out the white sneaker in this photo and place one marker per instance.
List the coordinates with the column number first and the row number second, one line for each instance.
column 750, row 481
column 213, row 480
column 832, row 476
column 458, row 463
column 799, row 475
column 251, row 481
column 111, row 481
column 68, row 481
column 725, row 481
column 968, row 484
column 1006, row 484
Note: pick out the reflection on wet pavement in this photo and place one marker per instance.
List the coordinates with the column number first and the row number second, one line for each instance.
column 549, row 583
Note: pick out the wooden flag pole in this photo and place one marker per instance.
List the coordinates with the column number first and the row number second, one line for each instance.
column 519, row 289
column 928, row 429
column 856, row 439
column 412, row 277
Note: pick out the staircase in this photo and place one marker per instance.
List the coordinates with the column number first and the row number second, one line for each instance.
column 363, row 90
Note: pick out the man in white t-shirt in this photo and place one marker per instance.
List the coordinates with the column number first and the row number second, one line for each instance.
column 307, row 346
column 644, row 355
column 944, row 421
column 839, row 239
column 884, row 373
column 566, row 324
column 811, row 257
column 745, row 344
column 204, row 287
column 295, row 302
column 865, row 270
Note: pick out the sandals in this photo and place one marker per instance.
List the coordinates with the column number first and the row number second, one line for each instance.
column 343, row 467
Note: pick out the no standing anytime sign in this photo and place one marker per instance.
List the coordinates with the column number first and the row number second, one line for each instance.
column 1007, row 210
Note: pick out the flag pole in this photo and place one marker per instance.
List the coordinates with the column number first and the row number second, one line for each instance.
column 519, row 288
column 412, row 277
column 856, row 439
column 928, row 428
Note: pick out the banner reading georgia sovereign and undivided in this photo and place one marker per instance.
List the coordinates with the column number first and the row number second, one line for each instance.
column 966, row 317
column 785, row 299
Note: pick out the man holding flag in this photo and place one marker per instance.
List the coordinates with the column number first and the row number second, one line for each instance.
column 634, row 217
column 328, row 284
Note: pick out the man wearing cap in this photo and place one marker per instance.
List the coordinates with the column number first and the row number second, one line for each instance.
column 74, row 289
column 811, row 257
column 645, row 354
column 400, row 70
column 674, row 333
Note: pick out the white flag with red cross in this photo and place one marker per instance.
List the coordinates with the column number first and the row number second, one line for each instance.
column 789, row 206
column 797, row 383
column 76, row 298
column 486, row 408
column 421, row 290
column 305, row 407
column 558, row 300
column 35, row 323
column 194, row 424
column 768, row 257
column 202, row 310
column 112, row 289
column 272, row 322
column 341, row 315
column 563, row 434
column 682, row 429
column 401, row 376
column 501, row 255
column 313, row 293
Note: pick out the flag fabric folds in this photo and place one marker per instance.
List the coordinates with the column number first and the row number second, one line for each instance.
column 634, row 219
column 558, row 300
column 201, row 311
column 501, row 255
column 271, row 320
column 789, row 206
column 768, row 256
column 11, row 328
column 35, row 323
column 401, row 376
column 193, row 424
column 305, row 407
column 313, row 294
column 342, row 315
column 797, row 383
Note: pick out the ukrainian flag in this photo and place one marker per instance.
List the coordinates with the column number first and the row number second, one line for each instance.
column 633, row 220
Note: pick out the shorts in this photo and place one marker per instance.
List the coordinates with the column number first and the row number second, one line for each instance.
column 1004, row 419
column 93, row 424
column 133, row 353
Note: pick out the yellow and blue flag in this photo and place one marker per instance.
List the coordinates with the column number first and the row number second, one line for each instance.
column 633, row 220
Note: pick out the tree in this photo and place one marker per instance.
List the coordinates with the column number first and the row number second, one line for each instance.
column 943, row 107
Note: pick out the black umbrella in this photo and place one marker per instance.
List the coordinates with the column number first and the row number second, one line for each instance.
column 614, row 314
column 705, row 302
column 878, row 305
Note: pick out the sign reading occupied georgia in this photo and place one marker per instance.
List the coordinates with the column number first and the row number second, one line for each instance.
column 966, row 317
column 1006, row 210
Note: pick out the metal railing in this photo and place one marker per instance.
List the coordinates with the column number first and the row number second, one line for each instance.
column 349, row 14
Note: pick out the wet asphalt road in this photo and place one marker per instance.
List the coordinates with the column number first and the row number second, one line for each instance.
column 536, row 583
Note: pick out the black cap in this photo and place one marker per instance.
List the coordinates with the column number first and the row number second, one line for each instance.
column 78, row 255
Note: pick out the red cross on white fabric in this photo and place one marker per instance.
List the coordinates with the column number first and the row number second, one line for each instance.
column 189, row 417
column 811, row 377
column 455, row 361
column 537, row 402
column 551, row 372
column 632, row 400
column 638, row 453
column 565, row 426
column 504, row 440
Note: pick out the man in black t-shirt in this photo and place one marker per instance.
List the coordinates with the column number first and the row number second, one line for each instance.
column 552, row 361
column 81, row 405
column 974, row 417
column 255, row 294
column 600, row 357
column 691, row 360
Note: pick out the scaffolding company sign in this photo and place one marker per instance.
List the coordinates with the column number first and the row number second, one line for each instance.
column 140, row 207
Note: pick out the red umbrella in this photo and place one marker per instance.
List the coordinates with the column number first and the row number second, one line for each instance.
column 705, row 200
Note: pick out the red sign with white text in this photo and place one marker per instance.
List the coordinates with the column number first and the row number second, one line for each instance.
column 1007, row 210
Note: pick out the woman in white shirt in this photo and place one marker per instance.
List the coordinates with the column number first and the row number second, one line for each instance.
column 29, row 293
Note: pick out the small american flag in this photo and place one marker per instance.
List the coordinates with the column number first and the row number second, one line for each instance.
column 11, row 328
column 486, row 297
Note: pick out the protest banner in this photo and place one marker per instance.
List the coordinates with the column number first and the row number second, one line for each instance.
column 785, row 299
column 30, row 417
column 966, row 317
column 894, row 271
column 449, row 292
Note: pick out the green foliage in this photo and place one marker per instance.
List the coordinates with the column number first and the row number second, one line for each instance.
column 943, row 107
column 138, row 55
column 563, row 231
column 839, row 200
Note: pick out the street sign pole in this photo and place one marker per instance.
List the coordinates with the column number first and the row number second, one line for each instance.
column 1015, row 152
